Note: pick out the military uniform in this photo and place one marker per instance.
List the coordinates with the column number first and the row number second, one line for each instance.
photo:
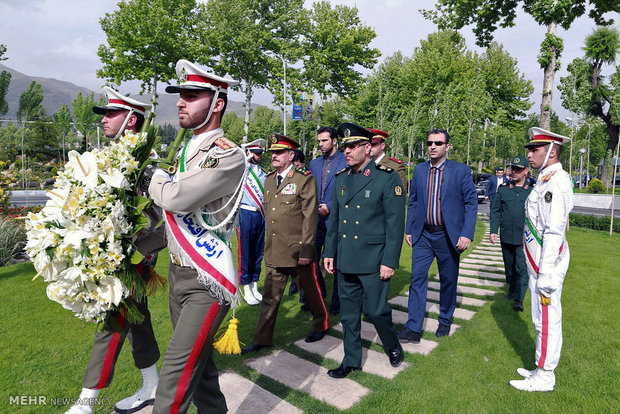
column 508, row 215
column 365, row 231
column 398, row 166
column 291, row 221
column 210, row 173
column 548, row 256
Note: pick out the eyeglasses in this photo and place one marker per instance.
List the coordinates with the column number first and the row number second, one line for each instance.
column 437, row 143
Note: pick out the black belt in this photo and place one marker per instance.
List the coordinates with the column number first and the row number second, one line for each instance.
column 434, row 229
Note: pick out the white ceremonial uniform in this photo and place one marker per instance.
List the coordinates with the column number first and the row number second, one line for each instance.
column 548, row 256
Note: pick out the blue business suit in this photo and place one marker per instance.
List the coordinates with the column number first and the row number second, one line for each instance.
column 326, row 193
column 459, row 207
column 491, row 189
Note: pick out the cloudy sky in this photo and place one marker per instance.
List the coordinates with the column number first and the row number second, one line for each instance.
column 59, row 39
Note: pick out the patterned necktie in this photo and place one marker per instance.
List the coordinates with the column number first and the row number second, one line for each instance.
column 279, row 181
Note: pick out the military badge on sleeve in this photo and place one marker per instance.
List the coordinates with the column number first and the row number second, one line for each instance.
column 548, row 196
column 398, row 191
column 210, row 163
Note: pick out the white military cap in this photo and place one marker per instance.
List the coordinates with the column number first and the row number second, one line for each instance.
column 539, row 136
column 118, row 102
column 193, row 77
column 258, row 145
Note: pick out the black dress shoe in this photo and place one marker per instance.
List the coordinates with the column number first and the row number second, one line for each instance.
column 442, row 330
column 340, row 372
column 253, row 348
column 407, row 335
column 315, row 336
column 396, row 355
column 518, row 306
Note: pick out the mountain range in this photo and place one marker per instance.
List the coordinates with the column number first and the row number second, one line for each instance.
column 57, row 92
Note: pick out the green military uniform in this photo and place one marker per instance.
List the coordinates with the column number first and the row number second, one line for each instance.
column 290, row 232
column 365, row 231
column 508, row 215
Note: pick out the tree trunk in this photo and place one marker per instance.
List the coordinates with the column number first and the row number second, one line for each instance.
column 154, row 97
column 545, row 104
column 247, row 104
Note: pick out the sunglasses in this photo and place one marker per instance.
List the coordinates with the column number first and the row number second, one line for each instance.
column 437, row 143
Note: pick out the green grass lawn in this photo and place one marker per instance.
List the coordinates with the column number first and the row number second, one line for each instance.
column 44, row 349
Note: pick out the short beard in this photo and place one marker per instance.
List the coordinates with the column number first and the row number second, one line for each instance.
column 192, row 121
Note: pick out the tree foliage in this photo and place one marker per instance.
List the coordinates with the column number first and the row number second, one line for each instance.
column 84, row 119
column 31, row 103
column 147, row 37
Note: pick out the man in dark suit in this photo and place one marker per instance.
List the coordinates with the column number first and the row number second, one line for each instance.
column 494, row 182
column 366, row 234
column 324, row 169
column 441, row 218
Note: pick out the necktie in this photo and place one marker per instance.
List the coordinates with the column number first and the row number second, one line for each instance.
column 279, row 181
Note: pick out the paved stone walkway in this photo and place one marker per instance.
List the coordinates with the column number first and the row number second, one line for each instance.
column 481, row 276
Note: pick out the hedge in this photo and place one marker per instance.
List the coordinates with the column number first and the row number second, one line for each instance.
column 593, row 222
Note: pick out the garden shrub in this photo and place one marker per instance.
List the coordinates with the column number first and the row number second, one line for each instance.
column 593, row 222
column 596, row 186
column 12, row 239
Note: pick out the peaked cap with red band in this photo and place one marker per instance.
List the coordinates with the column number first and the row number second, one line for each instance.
column 281, row 142
column 378, row 135
column 193, row 77
column 118, row 102
column 258, row 145
column 539, row 136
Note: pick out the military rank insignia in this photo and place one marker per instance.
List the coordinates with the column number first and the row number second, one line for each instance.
column 210, row 163
column 398, row 190
column 367, row 194
column 341, row 191
column 548, row 196
column 366, row 173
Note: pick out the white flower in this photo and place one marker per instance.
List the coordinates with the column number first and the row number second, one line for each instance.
column 84, row 168
column 111, row 290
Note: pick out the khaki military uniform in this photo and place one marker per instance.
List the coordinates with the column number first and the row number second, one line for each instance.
column 189, row 372
column 291, row 221
column 398, row 166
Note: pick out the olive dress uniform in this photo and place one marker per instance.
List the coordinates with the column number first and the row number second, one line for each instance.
column 508, row 215
column 398, row 166
column 291, row 221
column 365, row 231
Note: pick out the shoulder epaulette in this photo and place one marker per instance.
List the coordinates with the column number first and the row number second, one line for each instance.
column 303, row 171
column 396, row 160
column 224, row 143
column 547, row 177
column 503, row 185
column 343, row 170
column 271, row 172
column 384, row 168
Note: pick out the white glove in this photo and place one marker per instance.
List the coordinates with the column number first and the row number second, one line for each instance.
column 545, row 284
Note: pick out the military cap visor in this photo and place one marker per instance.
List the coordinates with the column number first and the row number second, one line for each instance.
column 353, row 134
column 539, row 136
column 118, row 102
column 519, row 162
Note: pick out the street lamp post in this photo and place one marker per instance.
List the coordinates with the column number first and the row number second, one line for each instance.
column 588, row 157
column 581, row 152
column 570, row 156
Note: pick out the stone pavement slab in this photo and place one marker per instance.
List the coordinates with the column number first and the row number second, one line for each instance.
column 478, row 282
column 304, row 376
column 429, row 325
column 433, row 295
column 243, row 396
column 465, row 289
column 489, row 246
column 369, row 333
column 482, row 275
column 373, row 362
column 488, row 261
column 484, row 268
column 432, row 307
column 485, row 256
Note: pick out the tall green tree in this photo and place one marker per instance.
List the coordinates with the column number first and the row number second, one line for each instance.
column 587, row 91
column 488, row 15
column 147, row 37
column 62, row 121
column 248, row 39
column 31, row 103
column 84, row 119
column 337, row 42
column 5, row 80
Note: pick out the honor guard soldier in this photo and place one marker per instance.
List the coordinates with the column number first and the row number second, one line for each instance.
column 200, row 200
column 121, row 114
column 379, row 156
column 291, row 219
column 546, row 250
column 365, row 235
column 251, row 230
column 508, row 215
